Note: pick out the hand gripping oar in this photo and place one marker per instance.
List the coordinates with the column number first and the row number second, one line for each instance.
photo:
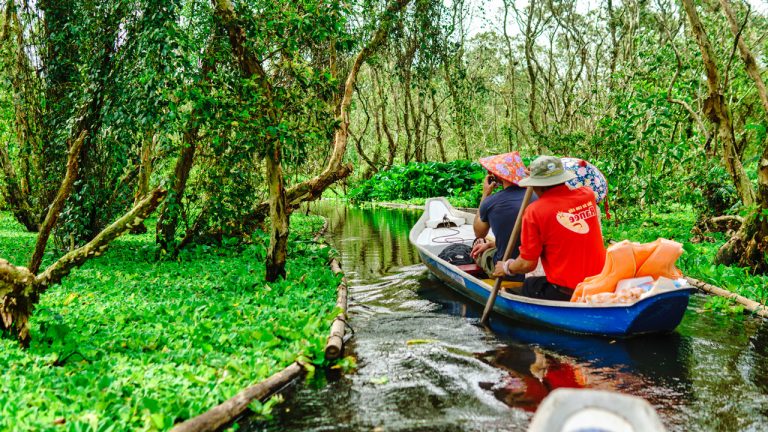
column 510, row 247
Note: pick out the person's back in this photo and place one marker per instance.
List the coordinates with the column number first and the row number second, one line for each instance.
column 498, row 211
column 562, row 229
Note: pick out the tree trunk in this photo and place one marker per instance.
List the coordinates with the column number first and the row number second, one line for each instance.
column 459, row 111
column 16, row 189
column 165, row 235
column 279, row 217
column 60, row 77
column 359, row 141
column 252, row 68
column 749, row 245
column 530, row 67
column 145, row 171
column 14, row 196
column 58, row 203
column 439, row 130
column 422, row 134
column 20, row 290
column 716, row 109
column 391, row 142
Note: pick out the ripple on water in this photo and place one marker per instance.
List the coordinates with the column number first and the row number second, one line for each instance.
column 423, row 366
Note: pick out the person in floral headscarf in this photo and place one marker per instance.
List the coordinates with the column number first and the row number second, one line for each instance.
column 498, row 209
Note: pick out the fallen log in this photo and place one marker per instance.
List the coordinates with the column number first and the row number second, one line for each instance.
column 335, row 343
column 321, row 232
column 750, row 305
column 227, row 411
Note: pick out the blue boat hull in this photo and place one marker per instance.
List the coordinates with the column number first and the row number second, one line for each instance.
column 655, row 314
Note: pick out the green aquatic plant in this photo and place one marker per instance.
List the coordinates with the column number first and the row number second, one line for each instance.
column 127, row 343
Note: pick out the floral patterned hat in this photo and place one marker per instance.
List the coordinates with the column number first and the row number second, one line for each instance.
column 586, row 175
column 507, row 166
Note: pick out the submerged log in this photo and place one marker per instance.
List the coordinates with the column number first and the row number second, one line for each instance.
column 227, row 411
column 750, row 305
column 335, row 343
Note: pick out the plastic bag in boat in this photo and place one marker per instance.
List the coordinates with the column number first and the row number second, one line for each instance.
column 457, row 254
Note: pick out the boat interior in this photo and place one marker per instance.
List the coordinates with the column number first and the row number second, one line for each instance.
column 444, row 226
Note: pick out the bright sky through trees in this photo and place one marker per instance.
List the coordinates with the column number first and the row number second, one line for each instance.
column 488, row 14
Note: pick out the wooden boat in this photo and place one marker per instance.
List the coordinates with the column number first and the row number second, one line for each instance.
column 441, row 225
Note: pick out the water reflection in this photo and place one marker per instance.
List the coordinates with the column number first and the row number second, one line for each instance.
column 759, row 351
column 424, row 364
column 531, row 375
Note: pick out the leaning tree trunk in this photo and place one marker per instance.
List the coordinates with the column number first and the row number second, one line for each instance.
column 58, row 202
column 716, row 109
column 749, row 245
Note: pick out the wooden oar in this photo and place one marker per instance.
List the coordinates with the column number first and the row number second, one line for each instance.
column 510, row 247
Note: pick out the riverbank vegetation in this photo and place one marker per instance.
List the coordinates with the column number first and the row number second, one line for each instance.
column 125, row 343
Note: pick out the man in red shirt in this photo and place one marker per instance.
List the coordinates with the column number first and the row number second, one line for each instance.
column 562, row 228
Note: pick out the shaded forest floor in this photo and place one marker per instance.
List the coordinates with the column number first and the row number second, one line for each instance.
column 130, row 343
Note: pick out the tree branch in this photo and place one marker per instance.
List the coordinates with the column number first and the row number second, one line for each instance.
column 334, row 171
column 61, row 268
column 671, row 86
column 737, row 42
column 58, row 203
column 750, row 64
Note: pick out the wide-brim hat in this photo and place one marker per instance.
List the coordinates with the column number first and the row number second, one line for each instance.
column 547, row 171
column 507, row 166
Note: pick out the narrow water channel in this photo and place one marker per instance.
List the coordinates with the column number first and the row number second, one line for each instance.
column 424, row 366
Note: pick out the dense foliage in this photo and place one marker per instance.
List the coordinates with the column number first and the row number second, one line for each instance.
column 459, row 179
column 124, row 344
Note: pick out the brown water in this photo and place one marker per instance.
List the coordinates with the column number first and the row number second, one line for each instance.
column 424, row 366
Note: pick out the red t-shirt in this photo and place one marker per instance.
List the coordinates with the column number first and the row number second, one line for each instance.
column 562, row 227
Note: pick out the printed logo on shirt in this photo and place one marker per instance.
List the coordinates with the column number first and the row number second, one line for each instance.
column 576, row 219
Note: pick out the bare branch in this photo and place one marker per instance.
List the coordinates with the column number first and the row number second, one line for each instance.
column 681, row 102
column 737, row 42
column 749, row 60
